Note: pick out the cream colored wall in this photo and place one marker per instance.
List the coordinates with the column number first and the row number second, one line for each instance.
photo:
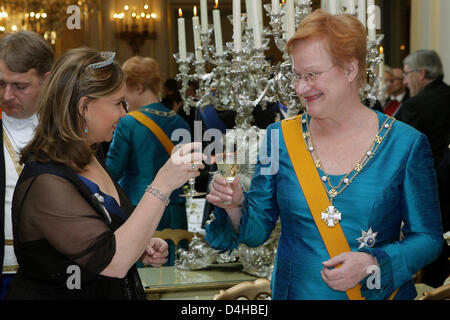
column 430, row 27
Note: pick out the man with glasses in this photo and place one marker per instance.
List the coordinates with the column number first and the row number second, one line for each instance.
column 25, row 62
column 429, row 112
column 398, row 93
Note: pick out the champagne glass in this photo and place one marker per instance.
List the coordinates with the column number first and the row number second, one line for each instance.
column 192, row 192
column 228, row 166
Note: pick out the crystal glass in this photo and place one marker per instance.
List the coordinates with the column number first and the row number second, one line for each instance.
column 228, row 166
column 192, row 192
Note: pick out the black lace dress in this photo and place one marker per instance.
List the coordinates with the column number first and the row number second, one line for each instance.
column 62, row 231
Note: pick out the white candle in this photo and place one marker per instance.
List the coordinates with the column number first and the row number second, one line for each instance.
column 259, row 11
column 256, row 24
column 218, row 32
column 362, row 11
column 250, row 14
column 237, row 33
column 197, row 42
column 284, row 21
column 371, row 20
column 290, row 12
column 204, row 15
column 351, row 6
column 332, row 6
column 275, row 6
column 181, row 36
column 381, row 71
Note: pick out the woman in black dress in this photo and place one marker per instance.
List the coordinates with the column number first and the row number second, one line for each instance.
column 76, row 235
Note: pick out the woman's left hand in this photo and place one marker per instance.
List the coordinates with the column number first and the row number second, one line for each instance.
column 156, row 253
column 353, row 268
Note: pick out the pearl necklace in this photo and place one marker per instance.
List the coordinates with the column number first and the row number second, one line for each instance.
column 331, row 216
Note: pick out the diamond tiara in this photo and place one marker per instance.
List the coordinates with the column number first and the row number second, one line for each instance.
column 109, row 55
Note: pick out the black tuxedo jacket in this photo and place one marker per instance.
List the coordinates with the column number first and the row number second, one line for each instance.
column 429, row 112
column 405, row 98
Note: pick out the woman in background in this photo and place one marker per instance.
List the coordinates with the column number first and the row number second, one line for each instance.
column 141, row 144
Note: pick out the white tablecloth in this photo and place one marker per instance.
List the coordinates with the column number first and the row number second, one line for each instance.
column 194, row 210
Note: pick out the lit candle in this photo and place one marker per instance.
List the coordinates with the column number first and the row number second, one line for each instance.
column 381, row 71
column 362, row 11
column 204, row 15
column 237, row 33
column 218, row 29
column 371, row 20
column 290, row 12
column 181, row 35
column 197, row 42
column 275, row 6
column 332, row 6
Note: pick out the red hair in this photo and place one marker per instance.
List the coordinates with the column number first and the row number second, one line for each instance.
column 346, row 35
column 143, row 71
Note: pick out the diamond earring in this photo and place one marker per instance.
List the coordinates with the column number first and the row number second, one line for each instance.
column 86, row 128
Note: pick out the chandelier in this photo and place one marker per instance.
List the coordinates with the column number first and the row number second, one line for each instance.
column 135, row 24
column 46, row 17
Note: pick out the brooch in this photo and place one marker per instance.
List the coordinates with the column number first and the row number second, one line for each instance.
column 367, row 239
column 100, row 201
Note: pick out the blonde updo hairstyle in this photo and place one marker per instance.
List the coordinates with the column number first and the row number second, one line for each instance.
column 346, row 35
column 143, row 71
column 59, row 136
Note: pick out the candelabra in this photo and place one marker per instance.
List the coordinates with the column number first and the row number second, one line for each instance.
column 241, row 79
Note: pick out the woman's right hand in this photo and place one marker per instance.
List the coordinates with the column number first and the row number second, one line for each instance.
column 225, row 195
column 183, row 165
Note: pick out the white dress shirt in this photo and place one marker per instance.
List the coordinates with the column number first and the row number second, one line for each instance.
column 19, row 132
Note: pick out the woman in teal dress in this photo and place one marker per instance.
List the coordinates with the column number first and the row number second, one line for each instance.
column 136, row 153
column 378, row 172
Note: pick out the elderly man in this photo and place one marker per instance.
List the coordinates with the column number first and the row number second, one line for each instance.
column 398, row 93
column 429, row 112
column 25, row 62
column 428, row 109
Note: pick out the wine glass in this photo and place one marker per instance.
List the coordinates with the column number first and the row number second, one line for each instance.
column 192, row 192
column 228, row 166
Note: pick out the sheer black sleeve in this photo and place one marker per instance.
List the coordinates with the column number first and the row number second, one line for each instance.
column 51, row 208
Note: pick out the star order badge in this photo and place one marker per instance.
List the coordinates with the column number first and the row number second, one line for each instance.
column 367, row 239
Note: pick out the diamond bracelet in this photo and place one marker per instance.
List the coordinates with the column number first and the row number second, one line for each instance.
column 161, row 196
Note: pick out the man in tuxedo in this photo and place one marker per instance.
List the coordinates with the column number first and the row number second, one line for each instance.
column 397, row 91
column 25, row 62
column 428, row 110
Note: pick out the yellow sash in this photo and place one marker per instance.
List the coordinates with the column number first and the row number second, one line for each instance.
column 315, row 194
column 153, row 127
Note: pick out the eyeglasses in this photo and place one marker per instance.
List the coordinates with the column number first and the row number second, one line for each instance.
column 395, row 79
column 405, row 73
column 310, row 76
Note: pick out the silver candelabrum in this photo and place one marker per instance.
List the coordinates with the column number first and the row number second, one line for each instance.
column 240, row 80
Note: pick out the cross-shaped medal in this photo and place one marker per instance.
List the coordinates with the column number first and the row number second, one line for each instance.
column 331, row 216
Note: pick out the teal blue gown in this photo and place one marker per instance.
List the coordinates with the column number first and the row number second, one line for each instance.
column 136, row 155
column 398, row 184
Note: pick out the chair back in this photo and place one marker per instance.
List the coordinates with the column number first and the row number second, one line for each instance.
column 250, row 290
column 440, row 293
column 176, row 235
